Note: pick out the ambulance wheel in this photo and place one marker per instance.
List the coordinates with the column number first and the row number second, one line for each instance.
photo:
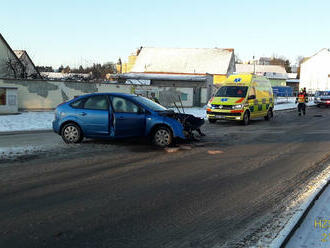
column 212, row 120
column 246, row 118
column 269, row 115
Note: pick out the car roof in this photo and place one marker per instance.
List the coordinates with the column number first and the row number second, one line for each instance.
column 109, row 93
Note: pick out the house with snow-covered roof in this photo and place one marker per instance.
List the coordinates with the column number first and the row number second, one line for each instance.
column 30, row 70
column 10, row 65
column 199, row 61
column 15, row 63
column 276, row 74
column 185, row 61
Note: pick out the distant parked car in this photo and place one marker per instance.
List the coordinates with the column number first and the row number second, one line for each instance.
column 119, row 115
column 322, row 98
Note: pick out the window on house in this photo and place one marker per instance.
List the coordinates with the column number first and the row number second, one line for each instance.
column 12, row 100
column 2, row 96
column 184, row 96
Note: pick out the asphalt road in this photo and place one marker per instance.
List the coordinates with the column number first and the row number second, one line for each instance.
column 129, row 194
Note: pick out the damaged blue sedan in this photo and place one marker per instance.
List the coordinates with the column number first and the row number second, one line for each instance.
column 120, row 115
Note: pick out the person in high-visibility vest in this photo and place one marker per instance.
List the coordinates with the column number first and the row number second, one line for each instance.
column 302, row 99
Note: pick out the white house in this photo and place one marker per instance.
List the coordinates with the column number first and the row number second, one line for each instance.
column 315, row 72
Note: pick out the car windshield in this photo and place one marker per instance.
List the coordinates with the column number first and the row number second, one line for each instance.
column 232, row 91
column 323, row 93
column 150, row 104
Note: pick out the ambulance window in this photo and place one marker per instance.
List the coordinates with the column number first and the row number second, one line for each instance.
column 252, row 91
column 232, row 91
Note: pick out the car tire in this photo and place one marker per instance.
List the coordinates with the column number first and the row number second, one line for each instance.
column 212, row 120
column 318, row 105
column 162, row 137
column 71, row 133
column 246, row 118
column 269, row 115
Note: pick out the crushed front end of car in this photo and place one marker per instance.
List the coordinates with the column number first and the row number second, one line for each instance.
column 191, row 124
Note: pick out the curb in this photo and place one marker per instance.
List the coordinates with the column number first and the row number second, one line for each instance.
column 25, row 132
column 297, row 219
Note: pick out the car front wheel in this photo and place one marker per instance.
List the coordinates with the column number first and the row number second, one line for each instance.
column 162, row 137
column 212, row 120
column 71, row 133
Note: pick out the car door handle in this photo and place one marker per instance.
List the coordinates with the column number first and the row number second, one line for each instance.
column 121, row 118
column 83, row 114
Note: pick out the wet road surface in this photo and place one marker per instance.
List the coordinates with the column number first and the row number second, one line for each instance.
column 211, row 193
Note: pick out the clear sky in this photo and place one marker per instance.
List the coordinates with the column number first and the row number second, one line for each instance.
column 74, row 32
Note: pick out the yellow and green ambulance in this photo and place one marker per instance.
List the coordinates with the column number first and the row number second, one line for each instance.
column 242, row 97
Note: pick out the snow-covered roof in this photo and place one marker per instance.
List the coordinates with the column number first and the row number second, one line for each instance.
column 152, row 76
column 248, row 68
column 60, row 75
column 183, row 60
column 292, row 75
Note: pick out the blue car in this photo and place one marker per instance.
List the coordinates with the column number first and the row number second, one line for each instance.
column 120, row 115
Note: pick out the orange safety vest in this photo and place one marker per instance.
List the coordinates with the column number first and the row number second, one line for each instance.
column 301, row 98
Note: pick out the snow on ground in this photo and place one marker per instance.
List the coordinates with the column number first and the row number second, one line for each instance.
column 315, row 229
column 26, row 121
column 12, row 152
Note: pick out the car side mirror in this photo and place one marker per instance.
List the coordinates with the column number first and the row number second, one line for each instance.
column 251, row 97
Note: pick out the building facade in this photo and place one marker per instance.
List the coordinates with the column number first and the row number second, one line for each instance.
column 315, row 72
column 276, row 74
column 170, row 89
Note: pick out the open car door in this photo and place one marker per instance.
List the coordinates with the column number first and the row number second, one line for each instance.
column 127, row 118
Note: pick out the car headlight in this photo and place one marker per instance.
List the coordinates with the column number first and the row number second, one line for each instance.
column 238, row 106
column 209, row 105
column 319, row 99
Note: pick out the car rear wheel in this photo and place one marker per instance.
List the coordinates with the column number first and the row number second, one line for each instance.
column 71, row 133
column 246, row 118
column 162, row 137
column 212, row 120
column 269, row 115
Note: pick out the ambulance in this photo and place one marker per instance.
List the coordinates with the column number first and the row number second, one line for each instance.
column 242, row 97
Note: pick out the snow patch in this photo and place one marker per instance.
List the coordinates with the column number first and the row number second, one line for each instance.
column 26, row 121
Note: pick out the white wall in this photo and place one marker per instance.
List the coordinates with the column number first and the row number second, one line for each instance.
column 38, row 94
column 43, row 95
column 314, row 74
